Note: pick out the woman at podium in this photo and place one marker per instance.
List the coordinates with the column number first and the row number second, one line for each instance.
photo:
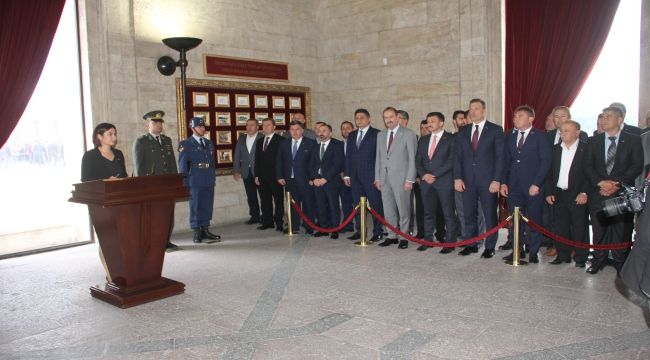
column 104, row 161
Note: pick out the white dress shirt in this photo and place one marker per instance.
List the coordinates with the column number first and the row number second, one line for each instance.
column 568, row 153
column 525, row 135
column 250, row 140
column 437, row 135
column 365, row 132
column 481, row 125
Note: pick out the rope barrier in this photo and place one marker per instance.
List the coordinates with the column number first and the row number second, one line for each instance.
column 475, row 239
column 576, row 244
column 321, row 229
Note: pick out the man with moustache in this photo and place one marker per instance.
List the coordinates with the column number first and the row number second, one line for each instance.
column 325, row 167
column 614, row 157
column 345, row 191
column 359, row 174
column 271, row 195
column 395, row 174
column 478, row 167
column 244, row 167
column 434, row 163
column 527, row 159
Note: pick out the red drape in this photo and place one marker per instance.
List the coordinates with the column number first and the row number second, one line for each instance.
column 551, row 47
column 27, row 28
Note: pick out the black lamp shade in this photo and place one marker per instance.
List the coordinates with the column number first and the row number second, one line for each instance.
column 182, row 43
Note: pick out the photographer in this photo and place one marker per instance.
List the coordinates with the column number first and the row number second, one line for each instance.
column 613, row 158
column 636, row 271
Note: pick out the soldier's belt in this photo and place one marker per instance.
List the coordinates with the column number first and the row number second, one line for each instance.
column 202, row 165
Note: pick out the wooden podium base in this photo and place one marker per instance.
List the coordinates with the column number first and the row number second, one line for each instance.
column 128, row 297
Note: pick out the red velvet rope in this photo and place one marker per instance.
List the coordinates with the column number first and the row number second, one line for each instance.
column 437, row 244
column 318, row 228
column 576, row 244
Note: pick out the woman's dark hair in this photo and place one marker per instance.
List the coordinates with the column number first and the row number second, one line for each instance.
column 100, row 130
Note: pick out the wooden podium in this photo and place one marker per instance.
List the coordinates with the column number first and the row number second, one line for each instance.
column 132, row 218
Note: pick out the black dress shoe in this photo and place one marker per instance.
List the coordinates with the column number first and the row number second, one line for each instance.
column 251, row 221
column 279, row 228
column 320, row 234
column 388, row 242
column 309, row 231
column 533, row 258
column 423, row 248
column 468, row 250
column 209, row 235
column 197, row 238
column 355, row 236
column 403, row 244
column 446, row 250
column 487, row 253
column 264, row 227
column 172, row 246
column 522, row 255
column 334, row 235
column 293, row 232
column 376, row 238
column 506, row 246
column 593, row 269
column 558, row 261
column 580, row 264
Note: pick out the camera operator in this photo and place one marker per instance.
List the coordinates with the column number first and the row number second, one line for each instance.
column 613, row 158
column 636, row 272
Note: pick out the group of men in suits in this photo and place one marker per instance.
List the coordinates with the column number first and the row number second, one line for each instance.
column 459, row 177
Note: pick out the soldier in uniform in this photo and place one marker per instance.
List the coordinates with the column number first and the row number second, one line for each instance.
column 153, row 153
column 196, row 161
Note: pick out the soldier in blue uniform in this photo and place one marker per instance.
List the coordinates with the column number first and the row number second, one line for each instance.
column 196, row 161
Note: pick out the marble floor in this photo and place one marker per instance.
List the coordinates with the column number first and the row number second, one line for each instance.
column 262, row 295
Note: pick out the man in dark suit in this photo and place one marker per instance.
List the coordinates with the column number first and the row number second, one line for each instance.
column 326, row 164
column 300, row 117
column 627, row 128
column 292, row 169
column 613, row 158
column 478, row 167
column 345, row 191
column 244, row 167
column 527, row 158
column 153, row 154
column 359, row 173
column 566, row 191
column 434, row 163
column 266, row 154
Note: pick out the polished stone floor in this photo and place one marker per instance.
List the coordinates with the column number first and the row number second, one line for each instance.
column 262, row 295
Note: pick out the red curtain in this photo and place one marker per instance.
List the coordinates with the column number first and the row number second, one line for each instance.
column 551, row 47
column 27, row 28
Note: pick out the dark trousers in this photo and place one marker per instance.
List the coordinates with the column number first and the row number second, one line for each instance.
column 570, row 223
column 609, row 230
column 471, row 196
column 417, row 217
column 441, row 221
column 327, row 205
column 433, row 198
column 531, row 207
column 367, row 188
column 346, row 204
column 251, row 196
column 271, row 194
column 303, row 195
column 201, row 201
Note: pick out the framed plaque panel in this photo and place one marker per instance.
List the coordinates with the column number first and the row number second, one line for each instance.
column 228, row 104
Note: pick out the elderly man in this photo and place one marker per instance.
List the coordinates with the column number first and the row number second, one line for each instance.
column 308, row 133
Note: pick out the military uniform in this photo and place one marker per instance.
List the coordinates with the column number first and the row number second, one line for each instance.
column 196, row 161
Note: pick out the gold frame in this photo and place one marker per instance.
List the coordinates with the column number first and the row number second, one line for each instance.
column 222, row 151
column 241, row 96
column 284, row 119
column 217, row 123
column 291, row 99
column 205, row 95
column 216, row 100
column 266, row 101
column 219, row 132
column 205, row 114
column 278, row 107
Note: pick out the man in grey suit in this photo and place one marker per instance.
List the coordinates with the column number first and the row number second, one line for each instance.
column 309, row 133
column 153, row 154
column 395, row 174
column 244, row 165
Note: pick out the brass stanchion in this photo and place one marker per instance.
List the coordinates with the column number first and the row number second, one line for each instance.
column 362, row 207
column 289, row 231
column 516, row 216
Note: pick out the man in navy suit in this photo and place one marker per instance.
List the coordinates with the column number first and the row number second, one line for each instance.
column 359, row 173
column 292, row 170
column 434, row 163
column 346, row 192
column 627, row 128
column 613, row 158
column 527, row 159
column 326, row 163
column 478, row 167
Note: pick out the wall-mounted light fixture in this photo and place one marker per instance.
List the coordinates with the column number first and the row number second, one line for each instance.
column 167, row 65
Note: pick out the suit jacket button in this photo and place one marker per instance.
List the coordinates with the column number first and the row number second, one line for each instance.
column 518, row 160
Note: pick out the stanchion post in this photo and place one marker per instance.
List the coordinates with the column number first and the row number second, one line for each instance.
column 289, row 231
column 516, row 216
column 362, row 207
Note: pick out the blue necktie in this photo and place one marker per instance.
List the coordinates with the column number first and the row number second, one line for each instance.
column 294, row 149
column 359, row 138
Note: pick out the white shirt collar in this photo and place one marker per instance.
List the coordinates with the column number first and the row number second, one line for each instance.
column 364, row 129
column 252, row 136
column 438, row 134
column 572, row 147
column 525, row 131
column 326, row 142
column 197, row 138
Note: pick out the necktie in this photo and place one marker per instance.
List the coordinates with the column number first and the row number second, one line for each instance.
column 559, row 138
column 611, row 154
column 158, row 140
column 266, row 144
column 521, row 140
column 359, row 138
column 202, row 143
column 432, row 147
column 322, row 150
column 294, row 149
column 475, row 138
column 390, row 141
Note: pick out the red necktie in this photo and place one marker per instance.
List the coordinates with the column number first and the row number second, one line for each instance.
column 475, row 138
column 432, row 148
column 390, row 141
